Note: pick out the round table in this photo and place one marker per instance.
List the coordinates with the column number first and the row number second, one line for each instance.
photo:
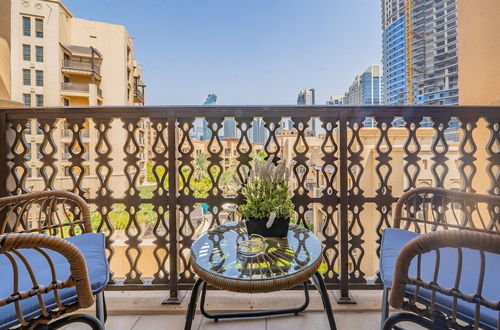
column 284, row 263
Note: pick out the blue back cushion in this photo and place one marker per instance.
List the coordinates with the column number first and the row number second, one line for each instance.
column 92, row 247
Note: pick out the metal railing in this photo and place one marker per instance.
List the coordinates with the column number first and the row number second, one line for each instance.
column 346, row 177
column 81, row 65
column 78, row 87
column 139, row 94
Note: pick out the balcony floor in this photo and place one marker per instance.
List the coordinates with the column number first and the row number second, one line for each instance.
column 143, row 310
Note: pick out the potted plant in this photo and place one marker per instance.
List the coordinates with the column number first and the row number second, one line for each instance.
column 267, row 206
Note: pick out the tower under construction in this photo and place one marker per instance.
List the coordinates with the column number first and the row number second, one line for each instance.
column 420, row 51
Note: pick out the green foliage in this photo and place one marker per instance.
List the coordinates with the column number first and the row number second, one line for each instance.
column 266, row 190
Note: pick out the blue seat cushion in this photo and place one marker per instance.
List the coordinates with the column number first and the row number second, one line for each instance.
column 92, row 247
column 394, row 239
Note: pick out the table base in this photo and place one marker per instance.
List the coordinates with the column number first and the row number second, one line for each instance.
column 317, row 279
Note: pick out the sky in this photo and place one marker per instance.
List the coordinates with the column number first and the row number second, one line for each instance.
column 248, row 52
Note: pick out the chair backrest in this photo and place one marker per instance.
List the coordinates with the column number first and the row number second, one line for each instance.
column 57, row 213
column 430, row 209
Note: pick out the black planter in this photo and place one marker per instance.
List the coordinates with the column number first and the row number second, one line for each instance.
column 258, row 226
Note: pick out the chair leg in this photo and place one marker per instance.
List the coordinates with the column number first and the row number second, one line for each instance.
column 192, row 304
column 394, row 319
column 90, row 320
column 100, row 308
column 385, row 306
column 320, row 285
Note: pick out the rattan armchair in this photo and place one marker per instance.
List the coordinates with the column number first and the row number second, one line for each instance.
column 52, row 264
column 440, row 262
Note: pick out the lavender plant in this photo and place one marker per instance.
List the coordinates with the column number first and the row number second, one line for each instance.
column 266, row 191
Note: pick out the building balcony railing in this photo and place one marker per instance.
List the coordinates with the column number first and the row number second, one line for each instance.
column 77, row 87
column 346, row 177
column 139, row 95
column 81, row 65
column 99, row 92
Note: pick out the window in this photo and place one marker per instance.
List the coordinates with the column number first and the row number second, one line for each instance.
column 26, row 52
column 27, row 100
column 66, row 102
column 39, row 27
column 39, row 53
column 39, row 78
column 26, row 77
column 39, row 100
column 26, row 26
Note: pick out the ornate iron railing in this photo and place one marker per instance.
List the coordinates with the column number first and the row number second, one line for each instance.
column 147, row 187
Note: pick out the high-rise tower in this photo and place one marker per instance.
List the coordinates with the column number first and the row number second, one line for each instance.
column 429, row 36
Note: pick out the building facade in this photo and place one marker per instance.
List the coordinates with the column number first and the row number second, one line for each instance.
column 335, row 100
column 434, row 62
column 56, row 59
column 306, row 97
column 366, row 88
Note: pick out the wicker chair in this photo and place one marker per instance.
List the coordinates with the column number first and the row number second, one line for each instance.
column 441, row 261
column 52, row 264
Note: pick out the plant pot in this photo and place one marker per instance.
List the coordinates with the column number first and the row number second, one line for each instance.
column 258, row 226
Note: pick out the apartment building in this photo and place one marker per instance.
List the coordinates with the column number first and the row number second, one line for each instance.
column 57, row 59
column 335, row 100
column 366, row 88
column 434, row 62
column 306, row 97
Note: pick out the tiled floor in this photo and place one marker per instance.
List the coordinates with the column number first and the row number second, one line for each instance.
column 304, row 321
column 143, row 310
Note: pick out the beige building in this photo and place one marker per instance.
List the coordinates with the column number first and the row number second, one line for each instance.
column 57, row 59
column 48, row 57
column 479, row 68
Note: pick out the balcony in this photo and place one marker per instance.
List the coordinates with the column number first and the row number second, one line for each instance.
column 81, row 60
column 347, row 178
column 75, row 87
column 139, row 95
column 83, row 67
column 139, row 91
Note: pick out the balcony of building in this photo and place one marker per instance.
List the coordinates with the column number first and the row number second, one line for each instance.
column 346, row 179
column 81, row 61
column 81, row 90
column 139, row 91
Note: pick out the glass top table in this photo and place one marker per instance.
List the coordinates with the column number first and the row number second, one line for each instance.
column 215, row 255
column 282, row 263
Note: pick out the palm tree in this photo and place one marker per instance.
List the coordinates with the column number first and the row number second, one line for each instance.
column 200, row 166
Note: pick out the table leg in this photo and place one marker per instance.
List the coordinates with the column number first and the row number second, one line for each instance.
column 192, row 304
column 216, row 317
column 320, row 285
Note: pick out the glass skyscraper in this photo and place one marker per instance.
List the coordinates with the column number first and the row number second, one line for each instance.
column 394, row 61
column 366, row 88
column 434, row 51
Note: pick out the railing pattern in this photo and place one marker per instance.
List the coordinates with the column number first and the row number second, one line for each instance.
column 359, row 172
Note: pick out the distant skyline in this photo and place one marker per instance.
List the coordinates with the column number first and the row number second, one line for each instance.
column 252, row 52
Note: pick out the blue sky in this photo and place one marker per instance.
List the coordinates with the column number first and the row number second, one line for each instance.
column 245, row 51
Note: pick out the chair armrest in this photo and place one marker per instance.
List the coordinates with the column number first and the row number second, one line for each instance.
column 11, row 243
column 433, row 241
column 53, row 209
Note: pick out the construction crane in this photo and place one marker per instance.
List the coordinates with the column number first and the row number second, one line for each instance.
column 410, row 73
